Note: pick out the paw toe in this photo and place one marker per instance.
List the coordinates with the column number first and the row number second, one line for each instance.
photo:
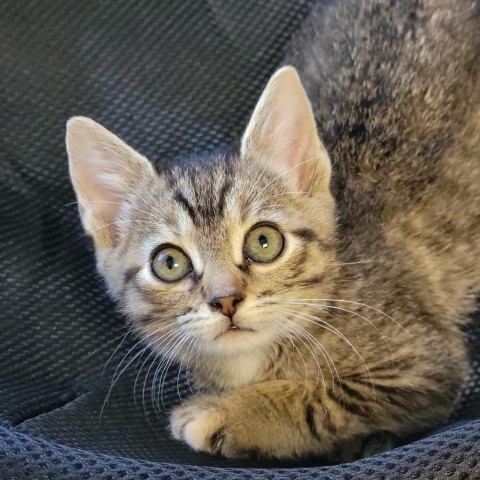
column 200, row 431
column 217, row 440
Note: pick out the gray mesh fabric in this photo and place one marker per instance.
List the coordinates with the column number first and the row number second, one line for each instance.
column 173, row 79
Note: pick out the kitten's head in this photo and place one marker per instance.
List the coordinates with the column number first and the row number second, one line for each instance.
column 210, row 258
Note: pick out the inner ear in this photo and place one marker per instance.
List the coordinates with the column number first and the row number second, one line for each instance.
column 282, row 134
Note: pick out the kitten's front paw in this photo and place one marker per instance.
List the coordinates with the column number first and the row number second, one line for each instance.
column 205, row 425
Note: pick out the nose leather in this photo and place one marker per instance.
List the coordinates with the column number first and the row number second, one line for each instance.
column 227, row 305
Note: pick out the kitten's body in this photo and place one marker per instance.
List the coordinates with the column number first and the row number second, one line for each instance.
column 357, row 324
column 396, row 94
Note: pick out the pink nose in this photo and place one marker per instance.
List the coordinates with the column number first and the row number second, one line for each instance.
column 227, row 305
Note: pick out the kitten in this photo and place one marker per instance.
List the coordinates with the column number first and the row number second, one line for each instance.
column 321, row 296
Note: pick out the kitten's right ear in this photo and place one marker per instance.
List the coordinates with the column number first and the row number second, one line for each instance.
column 104, row 171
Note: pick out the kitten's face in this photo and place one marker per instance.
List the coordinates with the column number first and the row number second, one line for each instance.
column 196, row 237
column 211, row 258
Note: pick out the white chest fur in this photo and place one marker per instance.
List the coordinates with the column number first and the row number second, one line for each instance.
column 236, row 371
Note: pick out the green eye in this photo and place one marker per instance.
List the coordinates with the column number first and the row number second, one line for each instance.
column 171, row 264
column 263, row 244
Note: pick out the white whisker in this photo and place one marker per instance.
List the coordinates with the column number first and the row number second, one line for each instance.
column 316, row 343
column 123, row 336
column 355, row 303
column 116, row 375
column 172, row 355
column 163, row 353
column 163, row 338
column 323, row 324
column 304, row 364
column 187, row 351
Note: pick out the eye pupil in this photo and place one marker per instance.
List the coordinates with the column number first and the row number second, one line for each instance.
column 170, row 262
column 263, row 241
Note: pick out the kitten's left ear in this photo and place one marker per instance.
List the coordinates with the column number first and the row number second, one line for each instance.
column 282, row 134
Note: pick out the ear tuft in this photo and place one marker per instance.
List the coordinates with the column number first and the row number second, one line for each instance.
column 104, row 171
column 282, row 134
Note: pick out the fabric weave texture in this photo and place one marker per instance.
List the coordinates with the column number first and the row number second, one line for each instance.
column 174, row 80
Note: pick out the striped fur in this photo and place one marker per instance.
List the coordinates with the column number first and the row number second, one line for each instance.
column 357, row 325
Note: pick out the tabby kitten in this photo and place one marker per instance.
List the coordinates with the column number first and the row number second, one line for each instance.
column 319, row 296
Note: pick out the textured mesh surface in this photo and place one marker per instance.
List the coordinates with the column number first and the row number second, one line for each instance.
column 173, row 79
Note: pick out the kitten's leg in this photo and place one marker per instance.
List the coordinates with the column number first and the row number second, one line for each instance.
column 284, row 419
column 362, row 447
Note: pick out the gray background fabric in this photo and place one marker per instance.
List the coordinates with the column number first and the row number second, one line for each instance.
column 175, row 80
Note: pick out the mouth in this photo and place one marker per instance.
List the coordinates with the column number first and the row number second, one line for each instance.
column 234, row 330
